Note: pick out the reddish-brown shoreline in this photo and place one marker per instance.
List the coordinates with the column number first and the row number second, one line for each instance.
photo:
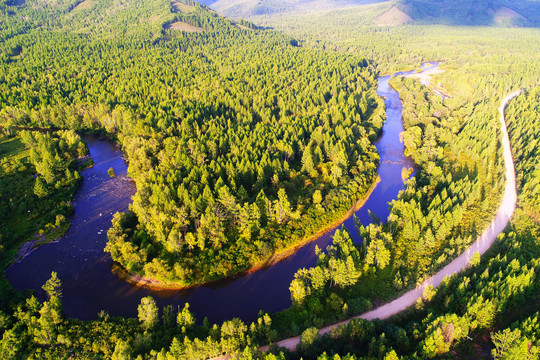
column 154, row 284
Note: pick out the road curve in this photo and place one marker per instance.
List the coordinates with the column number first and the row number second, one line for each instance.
column 482, row 244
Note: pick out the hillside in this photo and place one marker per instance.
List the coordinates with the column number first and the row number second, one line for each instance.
column 392, row 17
column 463, row 12
column 520, row 13
column 213, row 200
column 249, row 8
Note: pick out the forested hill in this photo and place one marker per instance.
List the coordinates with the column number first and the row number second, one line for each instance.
column 476, row 12
column 240, row 143
column 88, row 17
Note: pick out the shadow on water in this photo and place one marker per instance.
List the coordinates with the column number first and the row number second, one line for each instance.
column 15, row 2
column 89, row 285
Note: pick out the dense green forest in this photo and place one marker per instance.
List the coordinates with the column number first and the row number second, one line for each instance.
column 523, row 125
column 443, row 209
column 486, row 310
column 237, row 160
column 492, row 308
column 234, row 161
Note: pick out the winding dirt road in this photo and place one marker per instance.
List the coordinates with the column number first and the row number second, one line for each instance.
column 483, row 243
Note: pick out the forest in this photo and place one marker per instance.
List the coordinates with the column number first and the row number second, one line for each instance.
column 448, row 203
column 524, row 133
column 237, row 161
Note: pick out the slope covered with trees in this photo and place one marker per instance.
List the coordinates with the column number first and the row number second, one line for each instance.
column 523, row 116
column 234, row 160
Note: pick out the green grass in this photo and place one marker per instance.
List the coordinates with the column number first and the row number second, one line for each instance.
column 22, row 214
column 16, row 183
column 11, row 148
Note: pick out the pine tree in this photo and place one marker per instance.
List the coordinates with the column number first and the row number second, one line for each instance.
column 282, row 207
column 377, row 254
column 122, row 351
column 307, row 160
column 185, row 319
column 40, row 187
column 148, row 312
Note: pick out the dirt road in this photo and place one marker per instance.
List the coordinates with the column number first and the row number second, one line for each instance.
column 482, row 244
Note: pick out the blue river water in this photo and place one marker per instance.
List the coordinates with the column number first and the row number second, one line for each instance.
column 89, row 285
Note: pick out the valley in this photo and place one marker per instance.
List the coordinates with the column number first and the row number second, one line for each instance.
column 246, row 180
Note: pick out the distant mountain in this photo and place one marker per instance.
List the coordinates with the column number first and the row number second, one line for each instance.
column 206, row 2
column 472, row 12
column 248, row 8
column 449, row 12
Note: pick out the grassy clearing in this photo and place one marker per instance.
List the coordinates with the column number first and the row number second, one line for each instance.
column 24, row 217
column 182, row 26
column 181, row 7
column 393, row 17
column 16, row 182
column 85, row 5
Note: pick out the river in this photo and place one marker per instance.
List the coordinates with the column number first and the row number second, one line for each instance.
column 85, row 269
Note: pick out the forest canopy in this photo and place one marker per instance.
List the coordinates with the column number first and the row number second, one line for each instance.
column 244, row 141
column 234, row 160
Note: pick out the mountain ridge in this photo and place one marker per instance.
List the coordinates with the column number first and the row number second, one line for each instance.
column 504, row 13
column 523, row 13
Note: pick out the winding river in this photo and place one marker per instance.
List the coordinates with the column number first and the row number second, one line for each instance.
column 85, row 269
column 480, row 246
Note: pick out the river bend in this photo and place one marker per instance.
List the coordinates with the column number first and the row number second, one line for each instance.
column 85, row 269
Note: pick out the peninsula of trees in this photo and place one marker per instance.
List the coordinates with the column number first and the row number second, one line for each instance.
column 235, row 161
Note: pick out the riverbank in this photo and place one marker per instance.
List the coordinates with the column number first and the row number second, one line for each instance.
column 34, row 212
column 56, row 233
column 480, row 246
column 149, row 283
column 41, row 239
column 77, row 254
column 89, row 284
